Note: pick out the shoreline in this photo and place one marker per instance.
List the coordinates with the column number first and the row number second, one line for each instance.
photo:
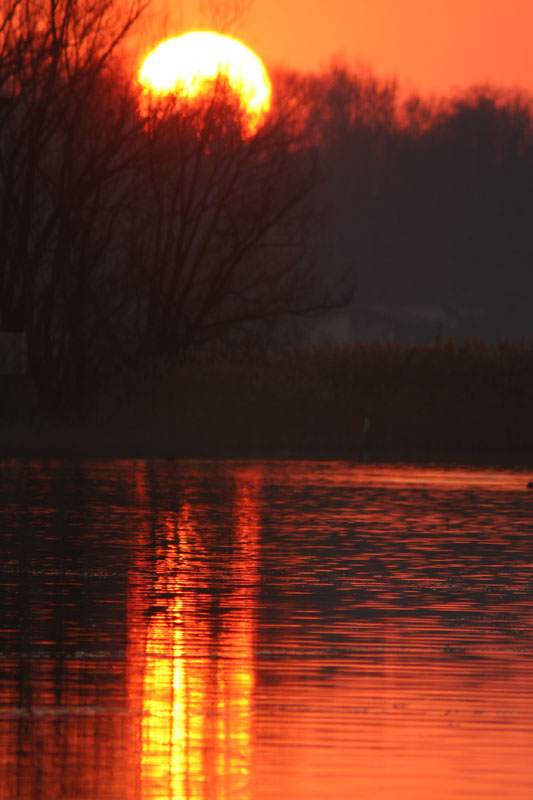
column 70, row 443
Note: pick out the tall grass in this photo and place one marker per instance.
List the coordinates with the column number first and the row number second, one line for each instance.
column 444, row 396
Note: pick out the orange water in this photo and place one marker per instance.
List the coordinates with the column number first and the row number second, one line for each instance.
column 249, row 630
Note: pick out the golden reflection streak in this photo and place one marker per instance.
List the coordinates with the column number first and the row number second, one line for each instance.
column 235, row 677
column 197, row 684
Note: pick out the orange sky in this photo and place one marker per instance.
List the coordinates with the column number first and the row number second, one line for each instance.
column 430, row 45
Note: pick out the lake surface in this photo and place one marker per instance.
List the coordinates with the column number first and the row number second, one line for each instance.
column 225, row 630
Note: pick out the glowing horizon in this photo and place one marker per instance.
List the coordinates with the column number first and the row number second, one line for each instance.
column 429, row 48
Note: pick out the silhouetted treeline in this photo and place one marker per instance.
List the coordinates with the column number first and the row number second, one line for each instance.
column 431, row 201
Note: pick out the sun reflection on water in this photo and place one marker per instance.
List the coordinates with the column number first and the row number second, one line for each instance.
column 196, row 678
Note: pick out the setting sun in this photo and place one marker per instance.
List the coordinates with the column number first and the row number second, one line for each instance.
column 189, row 64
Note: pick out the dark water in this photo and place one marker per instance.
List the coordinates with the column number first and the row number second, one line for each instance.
column 249, row 630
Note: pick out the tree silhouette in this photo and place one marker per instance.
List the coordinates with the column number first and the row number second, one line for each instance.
column 65, row 120
column 129, row 230
column 433, row 198
column 223, row 221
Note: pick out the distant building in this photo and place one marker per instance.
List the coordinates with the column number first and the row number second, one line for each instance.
column 374, row 322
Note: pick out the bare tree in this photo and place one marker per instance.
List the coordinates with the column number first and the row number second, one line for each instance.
column 223, row 225
column 130, row 229
column 65, row 118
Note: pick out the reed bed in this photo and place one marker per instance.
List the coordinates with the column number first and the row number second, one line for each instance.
column 466, row 398
column 444, row 396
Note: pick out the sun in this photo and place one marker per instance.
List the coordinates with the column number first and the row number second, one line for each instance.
column 189, row 64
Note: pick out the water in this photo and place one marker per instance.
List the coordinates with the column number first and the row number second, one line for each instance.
column 244, row 630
